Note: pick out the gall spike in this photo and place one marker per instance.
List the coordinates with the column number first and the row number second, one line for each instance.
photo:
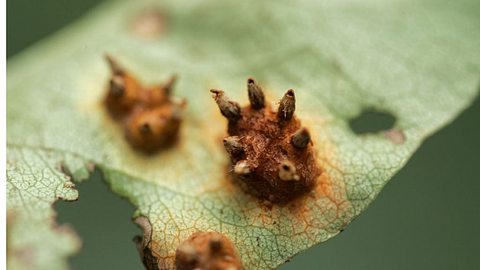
column 233, row 146
column 301, row 138
column 255, row 94
column 114, row 66
column 286, row 109
column 230, row 109
column 117, row 86
column 168, row 86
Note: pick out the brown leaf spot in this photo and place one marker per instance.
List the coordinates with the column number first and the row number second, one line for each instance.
column 149, row 24
column 396, row 136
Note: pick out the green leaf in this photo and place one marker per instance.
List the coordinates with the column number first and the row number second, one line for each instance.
column 417, row 60
column 35, row 181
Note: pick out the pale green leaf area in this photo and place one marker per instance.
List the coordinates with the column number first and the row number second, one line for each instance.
column 418, row 60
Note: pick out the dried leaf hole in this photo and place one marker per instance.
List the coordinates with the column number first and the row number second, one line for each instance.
column 102, row 221
column 372, row 121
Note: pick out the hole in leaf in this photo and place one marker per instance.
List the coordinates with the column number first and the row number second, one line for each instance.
column 372, row 121
column 103, row 222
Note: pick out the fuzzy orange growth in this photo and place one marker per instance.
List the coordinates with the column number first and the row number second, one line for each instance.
column 272, row 155
column 150, row 116
column 207, row 250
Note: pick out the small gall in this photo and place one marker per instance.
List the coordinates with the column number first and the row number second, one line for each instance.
column 215, row 244
column 114, row 66
column 207, row 250
column 271, row 154
column 230, row 109
column 301, row 138
column 242, row 168
column 168, row 86
column 287, row 105
column 150, row 117
column 117, row 86
column 255, row 94
column 233, row 146
column 145, row 128
column 124, row 91
column 188, row 253
column 150, row 130
column 287, row 171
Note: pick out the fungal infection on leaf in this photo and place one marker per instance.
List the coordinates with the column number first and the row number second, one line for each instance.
column 150, row 116
column 207, row 250
column 271, row 153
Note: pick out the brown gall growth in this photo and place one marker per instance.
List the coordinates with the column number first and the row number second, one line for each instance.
column 123, row 91
column 153, row 129
column 150, row 116
column 207, row 250
column 272, row 154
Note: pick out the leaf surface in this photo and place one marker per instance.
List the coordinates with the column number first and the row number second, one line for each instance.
column 417, row 60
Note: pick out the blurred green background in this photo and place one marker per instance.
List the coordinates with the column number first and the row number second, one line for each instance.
column 427, row 217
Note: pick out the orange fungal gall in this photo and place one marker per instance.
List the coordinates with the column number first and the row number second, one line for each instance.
column 272, row 156
column 207, row 250
column 150, row 116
